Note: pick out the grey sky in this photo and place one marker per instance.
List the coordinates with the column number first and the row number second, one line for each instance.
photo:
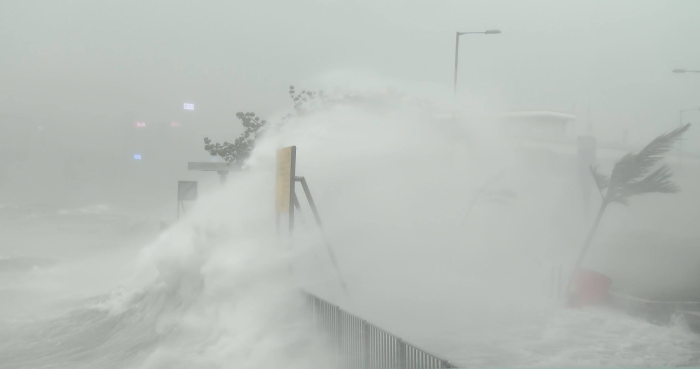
column 86, row 70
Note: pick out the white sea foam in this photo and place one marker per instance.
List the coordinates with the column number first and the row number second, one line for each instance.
column 214, row 290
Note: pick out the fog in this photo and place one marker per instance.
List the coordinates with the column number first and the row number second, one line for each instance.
column 83, row 247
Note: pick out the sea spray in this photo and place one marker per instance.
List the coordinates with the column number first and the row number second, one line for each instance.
column 214, row 291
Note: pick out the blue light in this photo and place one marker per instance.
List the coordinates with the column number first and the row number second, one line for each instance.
column 137, row 156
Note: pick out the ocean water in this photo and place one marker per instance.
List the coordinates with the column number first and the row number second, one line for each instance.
column 52, row 253
column 120, row 293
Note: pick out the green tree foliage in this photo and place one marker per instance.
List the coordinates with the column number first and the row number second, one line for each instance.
column 237, row 152
column 304, row 102
column 634, row 174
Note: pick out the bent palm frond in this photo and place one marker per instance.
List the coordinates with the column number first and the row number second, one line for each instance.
column 601, row 180
column 656, row 181
column 629, row 176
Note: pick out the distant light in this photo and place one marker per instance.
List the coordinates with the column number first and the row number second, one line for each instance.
column 137, row 156
column 189, row 106
column 140, row 124
column 679, row 71
column 493, row 32
column 174, row 124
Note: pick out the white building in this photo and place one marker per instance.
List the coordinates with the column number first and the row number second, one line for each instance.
column 539, row 125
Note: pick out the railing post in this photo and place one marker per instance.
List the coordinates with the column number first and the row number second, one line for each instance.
column 339, row 328
column 402, row 354
column 365, row 345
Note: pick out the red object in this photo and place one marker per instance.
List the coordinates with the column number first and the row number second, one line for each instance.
column 590, row 288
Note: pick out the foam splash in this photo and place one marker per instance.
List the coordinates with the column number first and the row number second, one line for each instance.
column 592, row 338
column 214, row 291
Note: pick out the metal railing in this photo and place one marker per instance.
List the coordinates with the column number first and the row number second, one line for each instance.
column 362, row 345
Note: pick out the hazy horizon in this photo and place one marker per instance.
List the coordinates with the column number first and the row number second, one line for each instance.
column 99, row 268
column 76, row 76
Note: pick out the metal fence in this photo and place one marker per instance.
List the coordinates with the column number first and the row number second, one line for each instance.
column 362, row 345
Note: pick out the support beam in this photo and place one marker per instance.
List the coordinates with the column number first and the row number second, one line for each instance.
column 307, row 192
column 331, row 254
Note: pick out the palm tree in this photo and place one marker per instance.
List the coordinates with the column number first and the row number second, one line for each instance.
column 632, row 175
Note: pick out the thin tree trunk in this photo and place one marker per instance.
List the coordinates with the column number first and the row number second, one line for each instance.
column 586, row 246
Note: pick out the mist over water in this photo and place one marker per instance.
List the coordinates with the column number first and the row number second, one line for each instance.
column 90, row 277
column 212, row 291
column 394, row 190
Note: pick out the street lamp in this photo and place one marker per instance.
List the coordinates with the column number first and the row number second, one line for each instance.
column 685, row 71
column 488, row 32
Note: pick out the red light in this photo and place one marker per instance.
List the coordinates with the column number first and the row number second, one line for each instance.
column 140, row 124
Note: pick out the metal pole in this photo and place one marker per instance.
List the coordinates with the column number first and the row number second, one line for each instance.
column 296, row 203
column 366, row 358
column 292, row 180
column 680, row 143
column 307, row 192
column 297, row 206
column 338, row 328
column 180, row 203
column 401, row 353
column 331, row 254
column 456, row 61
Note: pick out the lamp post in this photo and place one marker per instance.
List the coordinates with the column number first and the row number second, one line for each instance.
column 685, row 71
column 489, row 32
